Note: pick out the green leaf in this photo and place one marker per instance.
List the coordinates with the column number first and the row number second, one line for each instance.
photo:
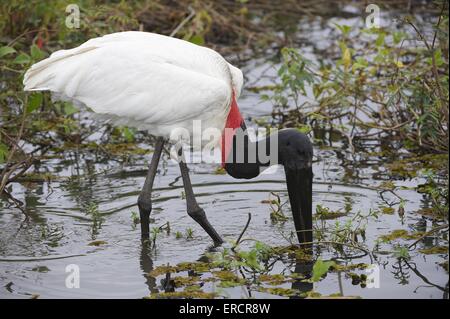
column 380, row 40
column 36, row 53
column 6, row 50
column 305, row 129
column 69, row 109
column 345, row 29
column 357, row 66
column 3, row 152
column 22, row 58
column 402, row 252
column 362, row 61
column 438, row 57
column 282, row 70
column 34, row 102
column 347, row 58
column 197, row 39
column 398, row 36
column 320, row 268
column 128, row 134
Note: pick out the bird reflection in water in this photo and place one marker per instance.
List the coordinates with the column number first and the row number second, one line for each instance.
column 304, row 269
column 146, row 263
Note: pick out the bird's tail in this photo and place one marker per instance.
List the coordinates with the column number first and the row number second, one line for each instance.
column 48, row 74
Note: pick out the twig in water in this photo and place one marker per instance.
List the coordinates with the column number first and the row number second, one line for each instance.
column 243, row 231
column 5, row 173
column 427, row 234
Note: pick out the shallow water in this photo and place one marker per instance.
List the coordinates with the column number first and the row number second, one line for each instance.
column 34, row 263
column 34, row 254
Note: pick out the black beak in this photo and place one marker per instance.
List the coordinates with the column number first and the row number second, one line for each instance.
column 299, row 185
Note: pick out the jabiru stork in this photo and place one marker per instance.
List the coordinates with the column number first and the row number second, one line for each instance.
column 160, row 84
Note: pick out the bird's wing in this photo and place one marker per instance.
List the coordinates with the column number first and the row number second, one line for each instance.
column 179, row 51
column 176, row 45
column 152, row 81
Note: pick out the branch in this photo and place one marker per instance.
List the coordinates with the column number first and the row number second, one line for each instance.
column 242, row 233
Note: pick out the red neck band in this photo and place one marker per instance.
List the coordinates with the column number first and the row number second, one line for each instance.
column 234, row 121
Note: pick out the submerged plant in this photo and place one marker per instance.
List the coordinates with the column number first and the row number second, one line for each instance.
column 436, row 189
column 96, row 218
column 326, row 213
column 276, row 209
column 156, row 231
column 135, row 219
column 189, row 233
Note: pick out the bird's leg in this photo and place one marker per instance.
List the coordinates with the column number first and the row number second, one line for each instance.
column 193, row 210
column 145, row 199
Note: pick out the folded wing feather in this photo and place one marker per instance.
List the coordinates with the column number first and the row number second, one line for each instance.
column 153, row 80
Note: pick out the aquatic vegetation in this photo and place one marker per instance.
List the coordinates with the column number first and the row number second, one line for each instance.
column 155, row 232
column 358, row 279
column 276, row 209
column 97, row 243
column 181, row 281
column 274, row 280
column 387, row 210
column 434, row 250
column 416, row 81
column 400, row 234
column 40, row 269
column 436, row 190
column 254, row 270
column 294, row 77
column 444, row 265
column 285, row 292
column 347, row 235
column 320, row 269
column 96, row 219
column 135, row 219
column 388, row 88
column 227, row 279
column 326, row 213
column 189, row 233
column 401, row 252
column 188, row 294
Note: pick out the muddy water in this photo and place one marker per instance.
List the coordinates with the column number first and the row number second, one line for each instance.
column 34, row 255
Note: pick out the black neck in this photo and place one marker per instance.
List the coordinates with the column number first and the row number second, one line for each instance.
column 245, row 160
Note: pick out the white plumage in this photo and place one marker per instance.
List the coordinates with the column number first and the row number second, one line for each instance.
column 141, row 79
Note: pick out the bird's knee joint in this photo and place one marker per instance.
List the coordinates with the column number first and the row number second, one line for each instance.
column 198, row 213
column 144, row 204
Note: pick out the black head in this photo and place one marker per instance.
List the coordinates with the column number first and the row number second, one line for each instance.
column 295, row 150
